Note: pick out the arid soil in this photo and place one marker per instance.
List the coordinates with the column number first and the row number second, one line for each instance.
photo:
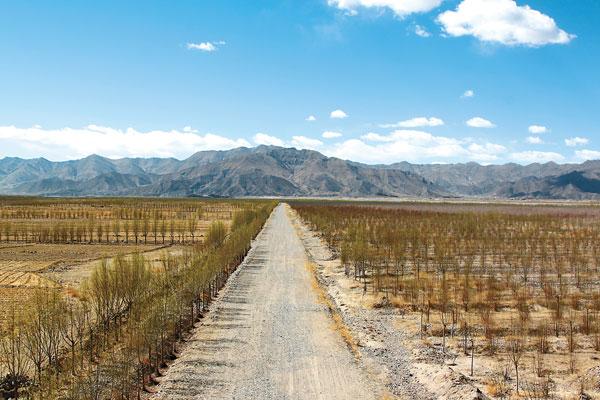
column 270, row 334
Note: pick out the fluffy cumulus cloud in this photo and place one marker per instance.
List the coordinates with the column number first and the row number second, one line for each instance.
column 399, row 7
column 537, row 129
column 311, row 118
column 331, row 134
column 584, row 155
column 263, row 138
column 486, row 152
column 208, row 47
column 418, row 122
column 478, row 122
column 338, row 114
column 303, row 142
column 71, row 143
column 503, row 22
column 299, row 142
column 576, row 141
column 534, row 140
column 468, row 94
column 531, row 156
column 413, row 146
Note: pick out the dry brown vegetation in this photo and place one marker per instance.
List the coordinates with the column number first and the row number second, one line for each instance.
column 108, row 333
column 513, row 289
column 119, row 220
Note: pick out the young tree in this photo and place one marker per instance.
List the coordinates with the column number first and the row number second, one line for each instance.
column 13, row 358
column 136, row 228
column 126, row 230
column 116, row 228
column 163, row 230
column 145, row 228
column 192, row 226
column 515, row 352
column 216, row 234
column 99, row 231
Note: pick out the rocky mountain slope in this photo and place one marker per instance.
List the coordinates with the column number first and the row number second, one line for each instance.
column 277, row 171
column 260, row 171
column 549, row 180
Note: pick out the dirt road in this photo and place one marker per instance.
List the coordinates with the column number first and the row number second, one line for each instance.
column 268, row 336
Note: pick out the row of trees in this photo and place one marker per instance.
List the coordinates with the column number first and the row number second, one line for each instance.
column 111, row 220
column 474, row 270
column 118, row 231
column 111, row 340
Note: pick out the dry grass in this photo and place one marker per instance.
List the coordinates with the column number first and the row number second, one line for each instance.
column 337, row 321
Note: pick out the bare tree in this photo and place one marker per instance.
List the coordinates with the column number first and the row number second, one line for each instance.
column 515, row 352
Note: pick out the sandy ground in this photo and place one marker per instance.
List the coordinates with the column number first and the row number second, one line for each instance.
column 268, row 336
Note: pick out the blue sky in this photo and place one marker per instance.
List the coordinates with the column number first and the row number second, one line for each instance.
column 163, row 78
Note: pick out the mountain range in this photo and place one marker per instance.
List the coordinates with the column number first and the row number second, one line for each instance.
column 278, row 171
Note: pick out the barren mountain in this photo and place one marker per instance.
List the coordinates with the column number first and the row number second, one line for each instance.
column 260, row 171
column 277, row 171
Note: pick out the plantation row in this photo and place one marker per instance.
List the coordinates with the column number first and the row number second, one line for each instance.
column 111, row 337
column 110, row 220
column 504, row 281
column 137, row 231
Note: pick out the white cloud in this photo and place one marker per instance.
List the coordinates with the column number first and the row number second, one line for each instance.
column 504, row 22
column 414, row 146
column 537, row 129
column 587, row 154
column 486, row 151
column 576, row 141
column 303, row 142
column 208, row 47
column 338, row 114
column 204, row 46
column 263, row 138
column 416, row 123
column 534, row 140
column 468, row 94
column 531, row 156
column 399, row 7
column 421, row 31
column 478, row 122
column 376, row 137
column 71, row 143
column 311, row 118
column 331, row 135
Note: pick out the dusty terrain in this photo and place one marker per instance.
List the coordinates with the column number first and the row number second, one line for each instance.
column 269, row 335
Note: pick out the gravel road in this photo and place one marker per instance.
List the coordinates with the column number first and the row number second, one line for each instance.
column 268, row 336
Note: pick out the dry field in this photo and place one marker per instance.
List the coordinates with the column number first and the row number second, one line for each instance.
column 511, row 289
column 56, row 243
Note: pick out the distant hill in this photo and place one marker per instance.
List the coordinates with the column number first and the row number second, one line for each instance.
column 277, row 171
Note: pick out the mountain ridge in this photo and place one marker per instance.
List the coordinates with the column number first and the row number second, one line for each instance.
column 279, row 171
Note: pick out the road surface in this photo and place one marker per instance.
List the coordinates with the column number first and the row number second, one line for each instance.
column 268, row 336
